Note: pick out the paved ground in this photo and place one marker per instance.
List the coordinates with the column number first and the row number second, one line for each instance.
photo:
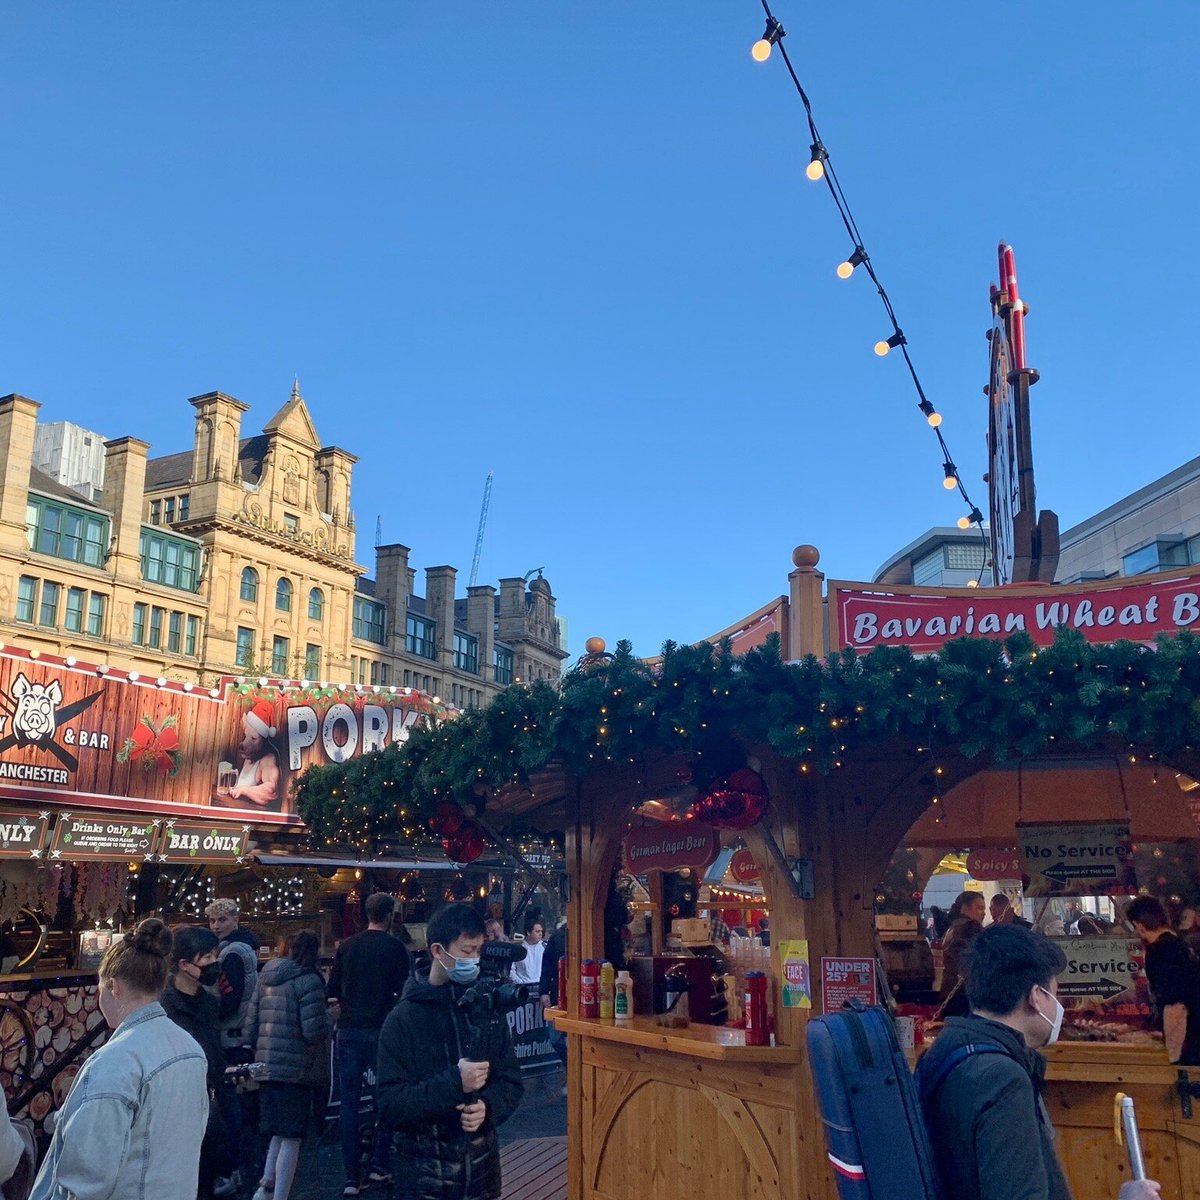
column 543, row 1113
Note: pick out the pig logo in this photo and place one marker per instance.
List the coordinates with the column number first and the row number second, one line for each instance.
column 37, row 707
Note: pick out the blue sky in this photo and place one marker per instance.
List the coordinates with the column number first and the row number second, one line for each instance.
column 573, row 243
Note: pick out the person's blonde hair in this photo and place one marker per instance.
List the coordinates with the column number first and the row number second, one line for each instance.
column 140, row 960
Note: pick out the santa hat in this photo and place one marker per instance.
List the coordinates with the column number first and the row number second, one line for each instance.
column 258, row 719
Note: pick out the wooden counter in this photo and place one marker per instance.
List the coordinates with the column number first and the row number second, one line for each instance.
column 687, row 1114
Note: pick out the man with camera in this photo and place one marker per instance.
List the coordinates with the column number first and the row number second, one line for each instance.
column 447, row 1074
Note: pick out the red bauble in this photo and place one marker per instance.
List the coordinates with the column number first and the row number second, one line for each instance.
column 747, row 780
column 448, row 819
column 729, row 808
column 466, row 844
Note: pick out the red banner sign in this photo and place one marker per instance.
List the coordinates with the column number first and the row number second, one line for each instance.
column 669, row 847
column 989, row 866
column 924, row 619
column 88, row 737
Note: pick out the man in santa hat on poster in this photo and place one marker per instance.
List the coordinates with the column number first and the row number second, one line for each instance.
column 258, row 759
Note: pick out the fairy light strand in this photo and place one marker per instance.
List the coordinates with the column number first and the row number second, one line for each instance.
column 821, row 167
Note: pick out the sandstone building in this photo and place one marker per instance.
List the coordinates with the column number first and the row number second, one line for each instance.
column 238, row 557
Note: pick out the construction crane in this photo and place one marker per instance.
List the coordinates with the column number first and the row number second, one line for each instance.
column 483, row 512
column 379, row 531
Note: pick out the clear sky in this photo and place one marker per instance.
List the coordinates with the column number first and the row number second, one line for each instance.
column 573, row 243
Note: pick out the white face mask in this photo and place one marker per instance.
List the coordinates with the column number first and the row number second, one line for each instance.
column 1056, row 1023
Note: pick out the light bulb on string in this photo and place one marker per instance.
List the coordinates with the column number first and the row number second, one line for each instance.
column 883, row 347
column 774, row 33
column 950, row 482
column 931, row 414
column 816, row 167
column 846, row 269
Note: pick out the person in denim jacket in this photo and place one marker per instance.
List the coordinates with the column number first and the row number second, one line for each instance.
column 132, row 1123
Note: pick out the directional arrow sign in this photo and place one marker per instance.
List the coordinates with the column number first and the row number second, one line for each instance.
column 1098, row 968
column 1077, row 860
column 1106, row 989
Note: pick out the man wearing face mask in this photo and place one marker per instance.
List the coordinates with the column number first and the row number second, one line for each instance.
column 981, row 1082
column 194, row 967
column 446, row 1080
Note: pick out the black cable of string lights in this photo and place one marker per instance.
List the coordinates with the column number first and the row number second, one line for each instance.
column 821, row 167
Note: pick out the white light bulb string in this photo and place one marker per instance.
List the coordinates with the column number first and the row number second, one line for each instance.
column 776, row 35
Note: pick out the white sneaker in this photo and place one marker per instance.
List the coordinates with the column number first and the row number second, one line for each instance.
column 351, row 1189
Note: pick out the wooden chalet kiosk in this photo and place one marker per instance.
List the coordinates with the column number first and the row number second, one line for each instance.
column 696, row 1114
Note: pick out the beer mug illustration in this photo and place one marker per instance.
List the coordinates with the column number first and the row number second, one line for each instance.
column 226, row 778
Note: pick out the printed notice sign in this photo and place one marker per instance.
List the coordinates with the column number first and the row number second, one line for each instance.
column 846, row 979
column 1077, row 860
column 190, row 841
column 1098, row 968
column 23, row 834
column 103, row 836
column 796, row 977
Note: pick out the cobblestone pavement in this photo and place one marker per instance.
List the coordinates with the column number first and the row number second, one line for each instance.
column 542, row 1113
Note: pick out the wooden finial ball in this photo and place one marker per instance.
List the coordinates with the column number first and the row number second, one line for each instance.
column 806, row 556
column 594, row 645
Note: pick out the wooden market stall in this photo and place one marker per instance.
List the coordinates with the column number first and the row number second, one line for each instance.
column 695, row 1113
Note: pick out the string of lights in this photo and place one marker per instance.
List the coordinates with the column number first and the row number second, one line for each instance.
column 820, row 167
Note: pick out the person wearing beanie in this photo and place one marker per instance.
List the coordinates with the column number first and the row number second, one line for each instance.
column 258, row 770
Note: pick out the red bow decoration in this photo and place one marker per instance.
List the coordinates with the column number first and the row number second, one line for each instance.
column 153, row 747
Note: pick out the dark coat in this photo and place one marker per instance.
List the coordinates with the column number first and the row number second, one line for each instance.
column 419, row 1089
column 991, row 1134
column 288, row 1019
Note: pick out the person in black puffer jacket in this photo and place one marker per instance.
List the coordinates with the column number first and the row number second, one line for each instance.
column 444, row 1083
column 289, row 1022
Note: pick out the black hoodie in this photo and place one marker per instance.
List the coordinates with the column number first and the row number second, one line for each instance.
column 991, row 1134
column 419, row 1089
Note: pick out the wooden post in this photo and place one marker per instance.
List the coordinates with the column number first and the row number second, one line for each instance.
column 806, row 621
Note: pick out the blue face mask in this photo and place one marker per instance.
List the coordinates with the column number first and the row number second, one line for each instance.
column 466, row 970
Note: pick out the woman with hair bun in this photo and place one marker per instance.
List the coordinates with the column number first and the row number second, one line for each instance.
column 133, row 1120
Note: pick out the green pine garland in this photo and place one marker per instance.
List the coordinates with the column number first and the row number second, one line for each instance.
column 1007, row 699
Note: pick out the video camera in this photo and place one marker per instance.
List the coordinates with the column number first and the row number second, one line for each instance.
column 492, row 992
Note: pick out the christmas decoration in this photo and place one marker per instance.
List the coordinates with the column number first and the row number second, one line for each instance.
column 466, row 844
column 153, row 747
column 978, row 696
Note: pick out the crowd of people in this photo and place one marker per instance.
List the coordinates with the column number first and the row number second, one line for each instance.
column 160, row 1109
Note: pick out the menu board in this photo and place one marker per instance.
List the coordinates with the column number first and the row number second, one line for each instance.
column 23, row 834
column 1077, row 860
column 104, row 837
column 193, row 841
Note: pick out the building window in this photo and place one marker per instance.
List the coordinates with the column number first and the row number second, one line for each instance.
column 245, row 646
column 249, row 591
column 155, row 512
column 74, row 617
column 193, row 634
column 279, row 656
column 283, row 595
column 370, row 620
column 66, row 532
column 353, row 667
column 175, row 633
column 291, row 523
column 965, row 558
column 156, row 624
column 928, row 570
column 170, row 561
column 502, row 666
column 185, row 503
column 420, row 637
column 95, row 620
column 48, row 613
column 169, row 510
column 374, row 674
column 138, row 632
column 1158, row 556
column 27, row 589
column 406, row 683
column 316, row 604
column 384, row 672
column 466, row 653
column 312, row 661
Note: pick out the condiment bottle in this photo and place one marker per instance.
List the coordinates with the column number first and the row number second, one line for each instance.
column 607, row 981
column 623, row 998
column 756, row 1009
column 589, row 988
